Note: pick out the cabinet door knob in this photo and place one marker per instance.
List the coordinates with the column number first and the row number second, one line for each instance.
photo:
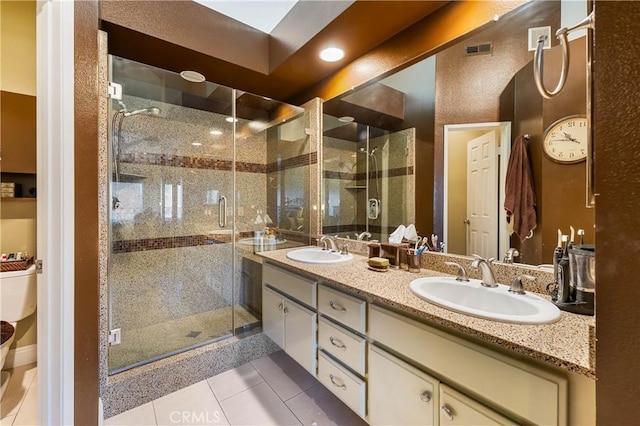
column 286, row 311
column 338, row 345
column 280, row 306
column 333, row 380
column 447, row 412
column 425, row 396
column 337, row 307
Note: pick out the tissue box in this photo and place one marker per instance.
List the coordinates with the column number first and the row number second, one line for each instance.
column 393, row 252
column 10, row 189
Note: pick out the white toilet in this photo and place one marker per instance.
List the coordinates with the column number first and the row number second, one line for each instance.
column 17, row 301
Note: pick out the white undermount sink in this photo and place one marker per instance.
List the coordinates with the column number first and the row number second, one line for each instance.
column 317, row 255
column 496, row 304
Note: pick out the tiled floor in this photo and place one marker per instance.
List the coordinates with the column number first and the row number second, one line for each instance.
column 273, row 390
column 20, row 402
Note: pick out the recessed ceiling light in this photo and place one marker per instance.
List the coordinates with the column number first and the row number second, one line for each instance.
column 230, row 120
column 332, row 54
column 216, row 132
column 193, row 76
column 346, row 119
column 196, row 143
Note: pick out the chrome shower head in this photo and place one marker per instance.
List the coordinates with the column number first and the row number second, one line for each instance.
column 150, row 110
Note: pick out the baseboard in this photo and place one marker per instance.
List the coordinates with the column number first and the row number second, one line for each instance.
column 21, row 356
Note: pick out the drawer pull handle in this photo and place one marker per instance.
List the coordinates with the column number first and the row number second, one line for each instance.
column 338, row 345
column 425, row 396
column 333, row 380
column 447, row 411
column 280, row 306
column 337, row 307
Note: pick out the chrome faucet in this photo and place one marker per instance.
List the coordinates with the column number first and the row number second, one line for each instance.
column 488, row 279
column 510, row 255
column 331, row 240
column 516, row 284
column 363, row 235
column 462, row 274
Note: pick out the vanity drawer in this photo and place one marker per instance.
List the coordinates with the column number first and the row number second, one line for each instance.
column 342, row 307
column 342, row 344
column 492, row 376
column 297, row 287
column 349, row 388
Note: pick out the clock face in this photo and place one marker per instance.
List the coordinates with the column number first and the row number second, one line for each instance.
column 565, row 141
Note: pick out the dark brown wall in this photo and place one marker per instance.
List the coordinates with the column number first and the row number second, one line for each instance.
column 616, row 73
column 189, row 25
column 560, row 188
column 86, row 213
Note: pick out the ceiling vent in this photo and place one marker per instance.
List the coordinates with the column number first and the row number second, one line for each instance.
column 478, row 49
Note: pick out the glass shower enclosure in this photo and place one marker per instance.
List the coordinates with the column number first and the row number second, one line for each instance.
column 195, row 180
column 367, row 179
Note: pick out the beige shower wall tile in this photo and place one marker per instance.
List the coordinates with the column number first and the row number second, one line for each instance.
column 148, row 287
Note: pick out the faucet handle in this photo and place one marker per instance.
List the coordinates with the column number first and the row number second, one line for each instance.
column 462, row 274
column 516, row 284
column 344, row 249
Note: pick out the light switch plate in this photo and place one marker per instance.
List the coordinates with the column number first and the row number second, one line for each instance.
column 534, row 35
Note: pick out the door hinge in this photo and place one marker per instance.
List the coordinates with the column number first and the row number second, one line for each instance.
column 115, row 91
column 38, row 266
column 114, row 337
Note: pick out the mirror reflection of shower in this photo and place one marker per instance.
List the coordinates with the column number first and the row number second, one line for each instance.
column 373, row 203
column 117, row 141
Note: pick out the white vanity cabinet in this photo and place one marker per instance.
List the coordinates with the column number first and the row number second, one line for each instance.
column 289, row 323
column 341, row 347
column 459, row 409
column 521, row 390
column 400, row 394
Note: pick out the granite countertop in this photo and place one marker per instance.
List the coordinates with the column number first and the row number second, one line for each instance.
column 568, row 343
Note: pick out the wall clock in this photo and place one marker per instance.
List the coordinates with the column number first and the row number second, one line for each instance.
column 565, row 141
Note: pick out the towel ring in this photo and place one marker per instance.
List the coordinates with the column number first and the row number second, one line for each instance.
column 538, row 57
column 530, row 235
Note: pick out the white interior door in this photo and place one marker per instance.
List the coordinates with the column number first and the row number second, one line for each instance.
column 482, row 196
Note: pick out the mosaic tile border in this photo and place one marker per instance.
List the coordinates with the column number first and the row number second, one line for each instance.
column 289, row 163
column 399, row 171
column 215, row 164
column 160, row 243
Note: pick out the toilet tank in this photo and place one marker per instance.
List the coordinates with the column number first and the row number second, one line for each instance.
column 17, row 294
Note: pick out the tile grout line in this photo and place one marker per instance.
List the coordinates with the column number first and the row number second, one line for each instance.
column 276, row 393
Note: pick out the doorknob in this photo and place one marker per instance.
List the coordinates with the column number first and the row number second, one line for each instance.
column 466, row 222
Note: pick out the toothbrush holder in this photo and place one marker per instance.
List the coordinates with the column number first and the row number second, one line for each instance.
column 413, row 260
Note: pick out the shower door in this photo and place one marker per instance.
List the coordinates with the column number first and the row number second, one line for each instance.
column 171, row 264
column 202, row 177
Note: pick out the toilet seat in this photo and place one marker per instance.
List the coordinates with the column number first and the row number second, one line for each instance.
column 6, row 330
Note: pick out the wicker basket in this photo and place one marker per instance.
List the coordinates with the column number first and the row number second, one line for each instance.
column 16, row 265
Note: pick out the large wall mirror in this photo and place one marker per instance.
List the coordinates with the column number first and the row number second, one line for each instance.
column 472, row 100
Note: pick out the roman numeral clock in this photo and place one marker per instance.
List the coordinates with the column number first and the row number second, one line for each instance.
column 565, row 141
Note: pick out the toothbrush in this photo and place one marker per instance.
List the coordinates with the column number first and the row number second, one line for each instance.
column 572, row 235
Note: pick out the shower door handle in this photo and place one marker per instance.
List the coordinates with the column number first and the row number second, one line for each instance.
column 222, row 212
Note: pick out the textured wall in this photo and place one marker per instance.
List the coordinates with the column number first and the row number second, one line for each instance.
column 616, row 73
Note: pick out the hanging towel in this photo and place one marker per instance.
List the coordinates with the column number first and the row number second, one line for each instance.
column 520, row 196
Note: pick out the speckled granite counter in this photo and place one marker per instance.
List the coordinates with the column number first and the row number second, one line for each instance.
column 568, row 343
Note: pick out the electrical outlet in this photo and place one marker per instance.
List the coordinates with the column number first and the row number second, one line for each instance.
column 534, row 36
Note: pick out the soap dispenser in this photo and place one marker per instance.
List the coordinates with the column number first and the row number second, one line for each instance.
column 562, row 273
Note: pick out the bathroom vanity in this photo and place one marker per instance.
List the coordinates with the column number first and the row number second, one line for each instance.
column 396, row 359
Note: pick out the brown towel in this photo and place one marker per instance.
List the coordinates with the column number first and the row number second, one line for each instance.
column 520, row 196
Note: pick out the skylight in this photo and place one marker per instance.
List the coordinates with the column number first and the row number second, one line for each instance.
column 261, row 14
